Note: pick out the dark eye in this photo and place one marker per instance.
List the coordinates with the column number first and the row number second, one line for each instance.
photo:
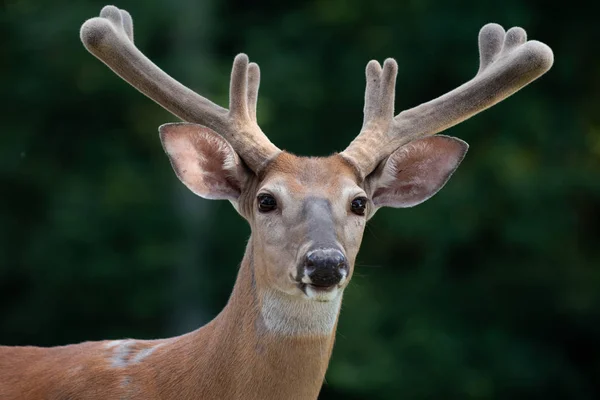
column 266, row 202
column 359, row 205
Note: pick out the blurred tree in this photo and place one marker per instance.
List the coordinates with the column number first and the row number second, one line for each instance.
column 189, row 44
column 488, row 290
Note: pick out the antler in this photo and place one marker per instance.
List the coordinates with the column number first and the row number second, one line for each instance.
column 507, row 63
column 110, row 38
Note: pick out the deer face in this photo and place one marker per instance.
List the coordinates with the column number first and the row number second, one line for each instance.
column 307, row 214
column 308, row 217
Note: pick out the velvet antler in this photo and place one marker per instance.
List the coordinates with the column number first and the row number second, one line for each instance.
column 110, row 38
column 508, row 62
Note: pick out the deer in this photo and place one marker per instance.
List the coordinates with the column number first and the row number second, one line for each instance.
column 275, row 336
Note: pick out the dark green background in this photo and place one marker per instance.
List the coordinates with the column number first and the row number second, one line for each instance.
column 490, row 290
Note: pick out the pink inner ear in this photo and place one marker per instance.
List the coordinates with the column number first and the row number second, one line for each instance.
column 418, row 170
column 203, row 160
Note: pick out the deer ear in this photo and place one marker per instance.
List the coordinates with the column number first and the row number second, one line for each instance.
column 416, row 171
column 203, row 161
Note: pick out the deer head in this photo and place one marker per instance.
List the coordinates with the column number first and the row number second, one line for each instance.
column 308, row 214
column 274, row 337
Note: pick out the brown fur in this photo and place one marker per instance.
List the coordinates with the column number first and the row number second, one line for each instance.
column 238, row 355
column 241, row 354
column 232, row 357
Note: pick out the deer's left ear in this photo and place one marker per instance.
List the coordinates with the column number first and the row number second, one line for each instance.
column 416, row 171
column 204, row 161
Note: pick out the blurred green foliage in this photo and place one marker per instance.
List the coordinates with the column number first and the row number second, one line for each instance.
column 490, row 290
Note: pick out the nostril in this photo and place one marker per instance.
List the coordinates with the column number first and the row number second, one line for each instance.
column 310, row 261
column 325, row 267
column 339, row 260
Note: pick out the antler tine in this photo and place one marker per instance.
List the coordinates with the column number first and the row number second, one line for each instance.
column 238, row 89
column 243, row 94
column 253, row 84
column 110, row 38
column 378, row 112
column 507, row 63
column 127, row 24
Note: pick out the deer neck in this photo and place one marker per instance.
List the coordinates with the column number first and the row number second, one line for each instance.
column 266, row 344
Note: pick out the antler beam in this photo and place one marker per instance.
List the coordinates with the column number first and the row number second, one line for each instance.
column 110, row 38
column 508, row 62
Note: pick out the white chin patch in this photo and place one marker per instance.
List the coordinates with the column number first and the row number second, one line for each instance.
column 322, row 295
column 315, row 313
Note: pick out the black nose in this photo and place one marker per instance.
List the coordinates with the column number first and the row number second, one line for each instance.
column 325, row 267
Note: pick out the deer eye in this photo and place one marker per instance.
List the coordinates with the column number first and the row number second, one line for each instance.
column 266, row 202
column 359, row 205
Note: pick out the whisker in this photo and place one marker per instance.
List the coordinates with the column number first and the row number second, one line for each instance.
column 361, row 265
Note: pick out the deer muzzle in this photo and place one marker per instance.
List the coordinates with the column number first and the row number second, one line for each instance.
column 324, row 268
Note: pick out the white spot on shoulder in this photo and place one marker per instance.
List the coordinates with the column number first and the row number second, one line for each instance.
column 124, row 352
column 121, row 354
column 139, row 357
column 113, row 343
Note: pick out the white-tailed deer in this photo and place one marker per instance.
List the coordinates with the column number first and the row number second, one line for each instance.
column 274, row 338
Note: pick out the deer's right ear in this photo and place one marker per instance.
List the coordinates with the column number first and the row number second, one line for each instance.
column 204, row 161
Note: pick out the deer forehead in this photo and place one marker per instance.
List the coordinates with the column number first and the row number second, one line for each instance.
column 297, row 177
